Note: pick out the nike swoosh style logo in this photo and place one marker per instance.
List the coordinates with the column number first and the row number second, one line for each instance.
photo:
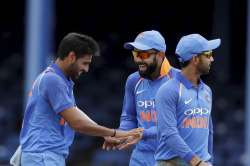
column 188, row 101
column 139, row 92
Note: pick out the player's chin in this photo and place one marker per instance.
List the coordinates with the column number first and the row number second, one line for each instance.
column 209, row 68
column 76, row 76
column 80, row 73
column 206, row 71
column 142, row 72
column 143, row 69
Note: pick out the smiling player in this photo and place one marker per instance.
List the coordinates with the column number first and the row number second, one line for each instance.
column 148, row 51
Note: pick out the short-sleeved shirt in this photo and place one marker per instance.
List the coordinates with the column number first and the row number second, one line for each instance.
column 43, row 128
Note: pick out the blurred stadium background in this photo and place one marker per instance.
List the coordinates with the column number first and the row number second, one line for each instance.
column 31, row 30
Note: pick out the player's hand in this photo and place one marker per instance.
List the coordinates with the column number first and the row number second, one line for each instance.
column 205, row 164
column 131, row 140
column 196, row 160
column 121, row 139
column 110, row 143
column 133, row 132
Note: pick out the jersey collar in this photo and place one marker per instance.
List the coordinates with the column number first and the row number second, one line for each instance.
column 59, row 71
column 186, row 82
column 165, row 68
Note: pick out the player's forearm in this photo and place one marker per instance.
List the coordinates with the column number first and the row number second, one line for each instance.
column 86, row 116
column 85, row 125
column 179, row 146
column 80, row 122
column 210, row 140
column 93, row 129
column 183, row 151
column 128, row 123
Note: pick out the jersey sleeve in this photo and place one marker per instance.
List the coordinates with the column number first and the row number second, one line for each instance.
column 128, row 117
column 210, row 140
column 166, row 103
column 57, row 93
column 150, row 133
column 211, row 134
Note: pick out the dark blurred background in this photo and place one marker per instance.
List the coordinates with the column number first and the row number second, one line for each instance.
column 100, row 92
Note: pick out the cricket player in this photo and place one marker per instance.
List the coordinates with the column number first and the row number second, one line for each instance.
column 51, row 116
column 148, row 51
column 184, row 105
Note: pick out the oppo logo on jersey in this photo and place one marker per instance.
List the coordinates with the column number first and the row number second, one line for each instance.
column 146, row 104
column 197, row 111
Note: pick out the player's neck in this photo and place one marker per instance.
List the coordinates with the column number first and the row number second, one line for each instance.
column 61, row 64
column 191, row 74
column 155, row 74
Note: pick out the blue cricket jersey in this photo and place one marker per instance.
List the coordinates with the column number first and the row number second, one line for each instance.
column 184, row 120
column 139, row 105
column 43, row 128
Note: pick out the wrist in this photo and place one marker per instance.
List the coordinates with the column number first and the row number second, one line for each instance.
column 199, row 163
column 114, row 133
column 195, row 161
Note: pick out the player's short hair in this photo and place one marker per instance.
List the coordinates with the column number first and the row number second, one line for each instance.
column 182, row 63
column 78, row 43
column 185, row 64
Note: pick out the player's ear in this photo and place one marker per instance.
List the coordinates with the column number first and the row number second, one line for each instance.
column 72, row 56
column 162, row 54
column 195, row 59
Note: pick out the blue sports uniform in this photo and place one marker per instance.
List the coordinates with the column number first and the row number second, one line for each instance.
column 184, row 120
column 139, row 111
column 44, row 132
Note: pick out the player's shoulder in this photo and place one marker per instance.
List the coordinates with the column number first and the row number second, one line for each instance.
column 207, row 88
column 134, row 75
column 173, row 71
column 133, row 78
column 169, row 90
column 171, row 85
column 52, row 78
